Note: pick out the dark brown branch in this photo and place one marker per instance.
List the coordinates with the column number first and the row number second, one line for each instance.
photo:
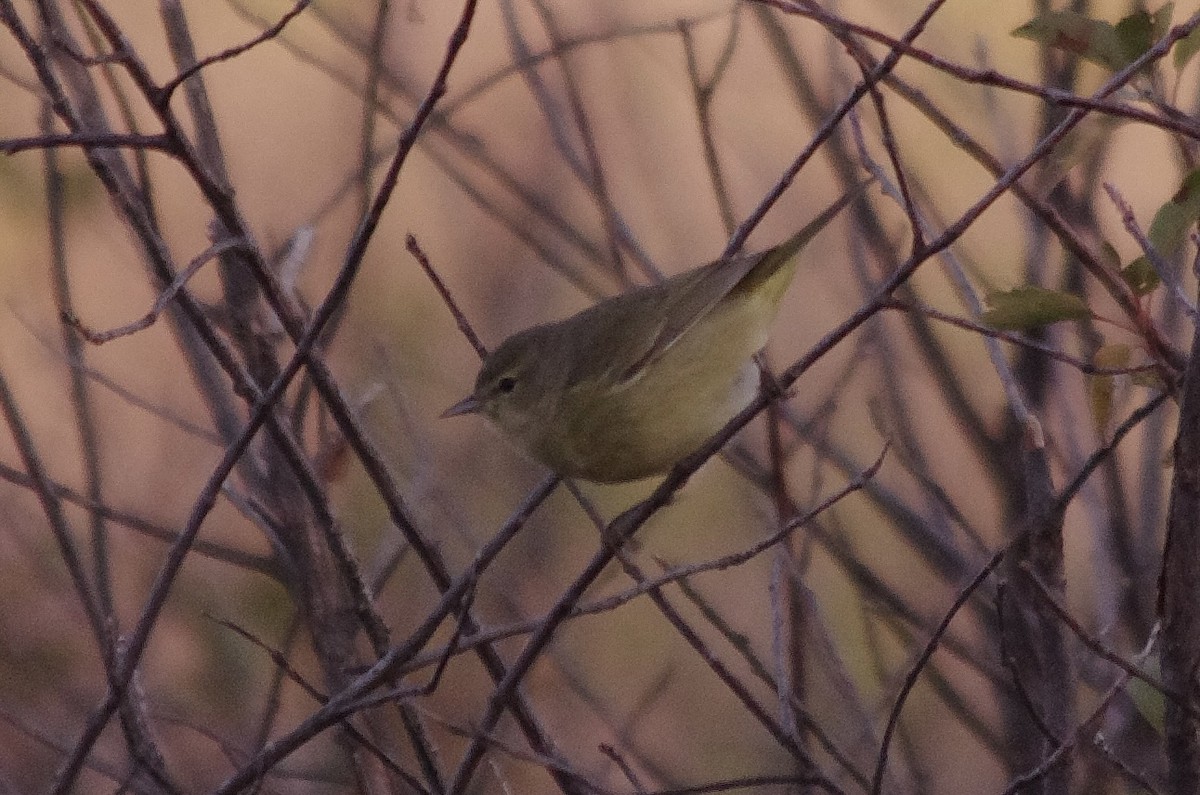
column 206, row 498
column 914, row 673
column 1017, row 339
column 160, row 304
column 460, row 319
column 1179, row 588
column 168, row 89
column 1054, row 96
column 89, row 140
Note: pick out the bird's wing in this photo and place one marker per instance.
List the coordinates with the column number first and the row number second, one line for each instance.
column 636, row 328
column 695, row 293
column 616, row 339
column 703, row 288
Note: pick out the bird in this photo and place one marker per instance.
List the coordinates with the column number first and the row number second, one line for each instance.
column 628, row 387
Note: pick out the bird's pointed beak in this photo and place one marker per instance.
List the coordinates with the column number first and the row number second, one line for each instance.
column 468, row 405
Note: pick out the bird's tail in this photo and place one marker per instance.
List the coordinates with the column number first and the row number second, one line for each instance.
column 778, row 264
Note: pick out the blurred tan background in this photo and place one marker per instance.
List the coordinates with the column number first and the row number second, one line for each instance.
column 493, row 201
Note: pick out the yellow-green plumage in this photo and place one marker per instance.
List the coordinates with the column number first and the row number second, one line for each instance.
column 625, row 389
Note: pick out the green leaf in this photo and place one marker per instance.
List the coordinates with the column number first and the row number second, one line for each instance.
column 1175, row 219
column 1109, row 256
column 1112, row 356
column 1138, row 31
column 1186, row 48
column 1147, row 699
column 1162, row 20
column 1092, row 39
column 1100, row 400
column 1150, row 379
column 1101, row 388
column 1140, row 276
column 1111, row 46
column 1031, row 307
column 1079, row 145
column 1134, row 32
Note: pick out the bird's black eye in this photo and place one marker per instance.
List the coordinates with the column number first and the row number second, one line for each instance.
column 506, row 385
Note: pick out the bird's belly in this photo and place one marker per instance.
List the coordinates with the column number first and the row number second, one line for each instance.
column 644, row 425
column 652, row 427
